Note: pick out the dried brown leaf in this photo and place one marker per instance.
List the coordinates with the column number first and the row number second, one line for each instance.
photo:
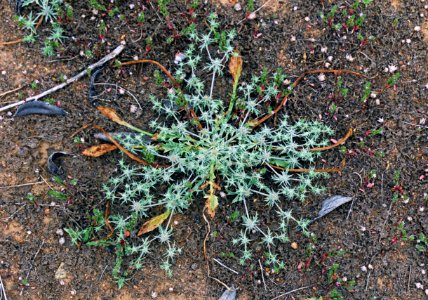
column 99, row 150
column 153, row 223
column 211, row 204
column 111, row 114
column 235, row 65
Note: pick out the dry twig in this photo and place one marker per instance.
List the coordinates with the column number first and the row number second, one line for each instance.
column 101, row 62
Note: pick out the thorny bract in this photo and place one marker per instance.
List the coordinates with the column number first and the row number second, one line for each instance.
column 217, row 152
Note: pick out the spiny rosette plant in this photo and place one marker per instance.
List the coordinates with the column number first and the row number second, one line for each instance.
column 48, row 11
column 211, row 149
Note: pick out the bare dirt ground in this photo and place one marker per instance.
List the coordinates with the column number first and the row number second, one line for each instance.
column 365, row 240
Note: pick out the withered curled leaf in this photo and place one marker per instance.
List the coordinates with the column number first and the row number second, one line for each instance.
column 99, row 150
column 153, row 223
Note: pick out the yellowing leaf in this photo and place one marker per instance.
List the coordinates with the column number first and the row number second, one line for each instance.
column 211, row 204
column 99, row 150
column 235, row 66
column 153, row 223
column 112, row 115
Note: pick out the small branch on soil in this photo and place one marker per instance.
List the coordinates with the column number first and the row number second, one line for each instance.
column 2, row 290
column 367, row 281
column 263, row 276
column 292, row 291
column 408, row 279
column 258, row 122
column 205, row 251
column 16, row 211
column 224, row 266
column 32, row 264
column 19, row 185
column 119, row 87
column 101, row 62
column 11, row 91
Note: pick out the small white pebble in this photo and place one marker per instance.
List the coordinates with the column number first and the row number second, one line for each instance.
column 408, row 41
column 324, row 49
column 327, row 64
column 426, row 292
column 380, row 120
column 154, row 295
column 133, row 109
column 417, row 28
column 171, row 289
column 345, row 279
column 121, row 91
column 364, row 268
column 330, row 58
column 373, row 95
column 421, row 209
column 423, row 271
column 9, row 114
column 95, row 12
column 409, row 218
column 175, row 222
column 377, row 101
column 307, row 19
column 422, row 121
column 286, row 82
column 419, row 285
column 135, row 57
column 73, row 292
column 131, row 6
column 293, row 38
column 321, row 77
column 179, row 57
column 295, row 8
column 392, row 68
column 29, row 232
column 363, row 228
column 61, row 240
column 237, row 7
column 370, row 267
column 62, row 282
column 60, row 232
column 252, row 16
column 3, row 72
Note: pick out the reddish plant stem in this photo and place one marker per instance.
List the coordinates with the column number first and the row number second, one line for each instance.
column 21, row 39
column 174, row 82
column 258, row 122
column 338, row 143
column 328, row 170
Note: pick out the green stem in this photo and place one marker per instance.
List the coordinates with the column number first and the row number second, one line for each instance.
column 139, row 130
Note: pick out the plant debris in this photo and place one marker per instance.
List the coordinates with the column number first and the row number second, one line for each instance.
column 331, row 204
column 92, row 91
column 52, row 167
column 229, row 294
column 39, row 108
